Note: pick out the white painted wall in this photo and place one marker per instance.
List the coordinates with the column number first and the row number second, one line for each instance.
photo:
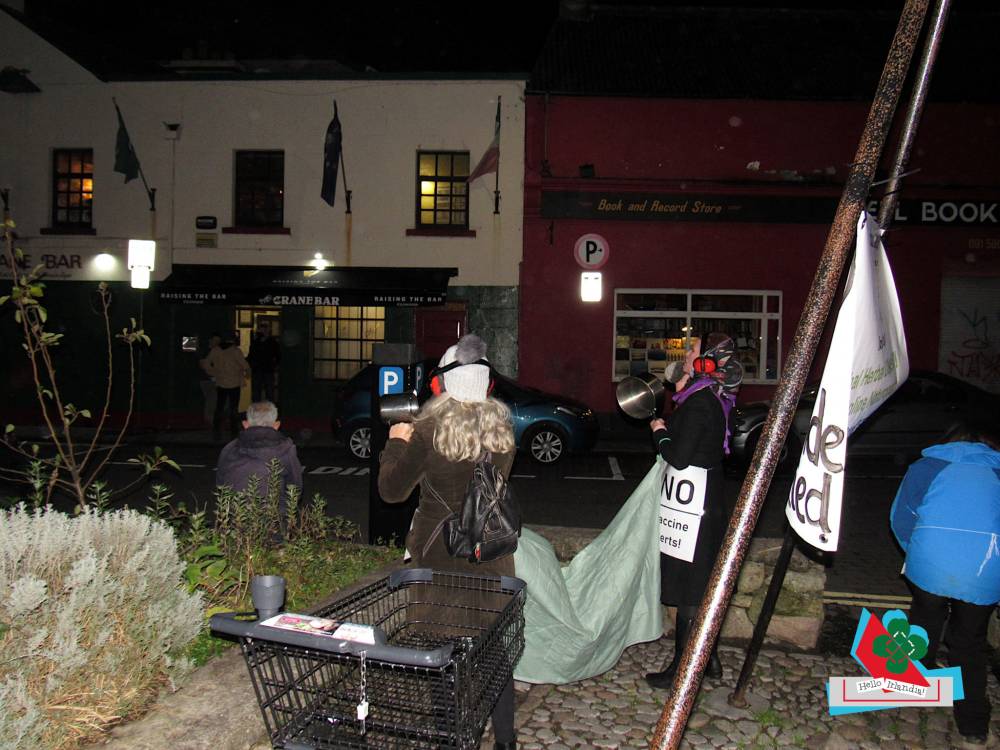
column 384, row 124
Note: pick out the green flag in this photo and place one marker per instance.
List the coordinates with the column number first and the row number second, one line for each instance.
column 126, row 162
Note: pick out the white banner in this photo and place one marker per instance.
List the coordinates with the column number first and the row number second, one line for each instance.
column 866, row 363
column 682, row 504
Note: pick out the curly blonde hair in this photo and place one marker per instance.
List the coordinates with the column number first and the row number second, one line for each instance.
column 465, row 430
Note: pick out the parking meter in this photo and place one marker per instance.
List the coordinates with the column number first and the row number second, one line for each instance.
column 398, row 371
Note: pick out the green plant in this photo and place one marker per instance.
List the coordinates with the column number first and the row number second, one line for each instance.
column 74, row 464
column 95, row 620
column 770, row 718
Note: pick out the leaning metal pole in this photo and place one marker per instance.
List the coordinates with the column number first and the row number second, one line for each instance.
column 932, row 43
column 707, row 624
column 886, row 211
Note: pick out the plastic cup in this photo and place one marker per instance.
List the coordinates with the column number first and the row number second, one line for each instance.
column 268, row 595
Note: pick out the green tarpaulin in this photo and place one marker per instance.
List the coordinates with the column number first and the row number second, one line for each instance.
column 579, row 618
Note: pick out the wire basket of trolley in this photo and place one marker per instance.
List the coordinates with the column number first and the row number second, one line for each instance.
column 415, row 660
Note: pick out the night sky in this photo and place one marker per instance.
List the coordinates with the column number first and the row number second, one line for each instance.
column 424, row 35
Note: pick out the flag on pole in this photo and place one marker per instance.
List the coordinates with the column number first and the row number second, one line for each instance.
column 331, row 158
column 491, row 159
column 126, row 162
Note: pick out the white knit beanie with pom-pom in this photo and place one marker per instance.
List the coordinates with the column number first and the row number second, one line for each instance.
column 469, row 382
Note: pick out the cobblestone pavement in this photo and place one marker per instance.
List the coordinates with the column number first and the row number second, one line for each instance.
column 788, row 709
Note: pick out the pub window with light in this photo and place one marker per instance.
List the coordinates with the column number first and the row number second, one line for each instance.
column 260, row 189
column 344, row 338
column 442, row 192
column 72, row 188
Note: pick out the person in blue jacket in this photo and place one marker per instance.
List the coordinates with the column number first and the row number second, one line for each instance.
column 946, row 517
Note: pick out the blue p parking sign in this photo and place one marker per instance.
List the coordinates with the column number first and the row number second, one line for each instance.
column 390, row 380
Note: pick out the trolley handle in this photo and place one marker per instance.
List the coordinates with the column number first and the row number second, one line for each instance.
column 235, row 623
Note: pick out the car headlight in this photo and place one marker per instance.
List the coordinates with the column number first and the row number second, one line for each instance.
column 574, row 412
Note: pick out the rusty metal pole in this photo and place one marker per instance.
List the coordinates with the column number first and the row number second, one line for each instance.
column 705, row 629
column 887, row 209
column 932, row 43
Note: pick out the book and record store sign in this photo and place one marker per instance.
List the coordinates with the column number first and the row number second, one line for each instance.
column 285, row 287
column 779, row 209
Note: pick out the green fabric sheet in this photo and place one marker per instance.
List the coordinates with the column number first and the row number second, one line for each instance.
column 579, row 618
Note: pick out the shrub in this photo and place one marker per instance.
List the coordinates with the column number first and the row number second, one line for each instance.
column 93, row 621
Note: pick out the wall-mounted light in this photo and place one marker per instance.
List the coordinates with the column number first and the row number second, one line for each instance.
column 318, row 262
column 105, row 262
column 590, row 286
column 141, row 260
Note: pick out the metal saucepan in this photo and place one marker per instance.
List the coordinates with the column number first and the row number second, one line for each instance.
column 641, row 396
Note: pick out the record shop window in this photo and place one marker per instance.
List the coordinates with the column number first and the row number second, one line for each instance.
column 260, row 189
column 72, row 188
column 654, row 327
column 343, row 339
column 442, row 190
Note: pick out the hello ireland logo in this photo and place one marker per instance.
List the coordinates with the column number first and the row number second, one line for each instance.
column 889, row 650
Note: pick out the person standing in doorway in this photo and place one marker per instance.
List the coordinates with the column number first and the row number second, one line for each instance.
column 208, row 382
column 264, row 357
column 229, row 368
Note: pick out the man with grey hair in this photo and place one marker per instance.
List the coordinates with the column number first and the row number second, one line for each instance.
column 251, row 452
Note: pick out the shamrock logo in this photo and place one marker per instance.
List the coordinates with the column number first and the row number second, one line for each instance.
column 900, row 645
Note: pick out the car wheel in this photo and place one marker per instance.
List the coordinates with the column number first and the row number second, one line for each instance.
column 359, row 442
column 545, row 444
column 788, row 458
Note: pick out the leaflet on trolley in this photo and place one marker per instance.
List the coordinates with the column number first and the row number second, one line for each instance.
column 343, row 631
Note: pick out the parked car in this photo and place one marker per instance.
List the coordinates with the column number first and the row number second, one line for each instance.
column 546, row 426
column 914, row 417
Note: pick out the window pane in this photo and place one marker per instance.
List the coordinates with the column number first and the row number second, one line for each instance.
column 62, row 162
column 443, row 204
column 652, row 301
column 444, row 165
column 427, row 187
column 726, row 302
column 443, row 188
column 426, row 217
column 427, row 162
column 461, row 164
column 374, row 313
column 441, row 219
column 427, row 201
column 350, row 350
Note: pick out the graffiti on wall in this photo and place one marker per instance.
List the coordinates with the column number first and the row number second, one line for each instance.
column 976, row 358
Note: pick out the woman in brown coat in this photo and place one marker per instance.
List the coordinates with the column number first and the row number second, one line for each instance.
column 439, row 452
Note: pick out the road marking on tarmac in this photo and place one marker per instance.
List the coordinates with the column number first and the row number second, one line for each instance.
column 616, row 472
column 345, row 471
column 874, row 601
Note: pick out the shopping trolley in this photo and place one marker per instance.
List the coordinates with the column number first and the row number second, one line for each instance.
column 416, row 660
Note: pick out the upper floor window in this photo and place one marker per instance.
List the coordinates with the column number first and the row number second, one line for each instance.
column 260, row 188
column 442, row 192
column 72, row 188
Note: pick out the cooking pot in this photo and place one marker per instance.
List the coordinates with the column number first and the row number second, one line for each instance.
column 641, row 396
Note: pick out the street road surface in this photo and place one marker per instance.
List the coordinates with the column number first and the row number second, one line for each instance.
column 582, row 491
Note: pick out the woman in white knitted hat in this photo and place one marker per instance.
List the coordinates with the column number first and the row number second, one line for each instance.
column 439, row 452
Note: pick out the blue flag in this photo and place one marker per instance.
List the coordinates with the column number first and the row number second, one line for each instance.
column 331, row 158
column 126, row 162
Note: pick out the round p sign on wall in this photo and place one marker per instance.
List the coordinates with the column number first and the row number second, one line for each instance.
column 591, row 251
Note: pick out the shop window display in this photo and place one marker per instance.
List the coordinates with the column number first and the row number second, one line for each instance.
column 655, row 326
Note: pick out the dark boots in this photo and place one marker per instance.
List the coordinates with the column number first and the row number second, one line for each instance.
column 505, row 746
column 663, row 680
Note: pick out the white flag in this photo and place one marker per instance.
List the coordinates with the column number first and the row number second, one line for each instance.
column 866, row 363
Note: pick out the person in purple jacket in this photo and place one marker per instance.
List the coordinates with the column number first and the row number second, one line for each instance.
column 946, row 517
column 254, row 448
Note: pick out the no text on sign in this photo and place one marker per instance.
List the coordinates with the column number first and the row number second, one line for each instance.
column 591, row 251
column 390, row 380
